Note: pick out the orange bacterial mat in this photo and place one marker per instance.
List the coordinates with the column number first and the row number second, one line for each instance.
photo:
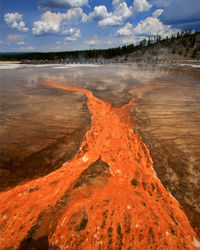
column 127, row 209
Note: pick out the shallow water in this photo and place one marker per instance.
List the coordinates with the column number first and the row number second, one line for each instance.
column 41, row 127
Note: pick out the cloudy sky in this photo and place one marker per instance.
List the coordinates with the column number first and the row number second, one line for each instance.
column 57, row 25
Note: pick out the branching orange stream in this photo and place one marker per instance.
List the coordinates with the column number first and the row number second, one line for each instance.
column 132, row 210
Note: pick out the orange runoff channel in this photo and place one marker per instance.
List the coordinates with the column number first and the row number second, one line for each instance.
column 132, row 210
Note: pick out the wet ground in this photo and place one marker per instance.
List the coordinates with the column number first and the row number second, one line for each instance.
column 42, row 127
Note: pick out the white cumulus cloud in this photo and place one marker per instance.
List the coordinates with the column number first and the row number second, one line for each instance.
column 115, row 3
column 157, row 12
column 121, row 12
column 121, row 9
column 111, row 21
column 61, row 4
column 72, row 34
column 126, row 30
column 152, row 26
column 57, row 23
column 149, row 27
column 104, row 18
column 141, row 6
column 15, row 20
column 100, row 12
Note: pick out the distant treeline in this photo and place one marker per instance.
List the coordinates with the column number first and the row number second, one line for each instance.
column 104, row 53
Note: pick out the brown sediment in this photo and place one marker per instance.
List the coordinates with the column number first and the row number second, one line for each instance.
column 121, row 205
column 40, row 132
column 168, row 121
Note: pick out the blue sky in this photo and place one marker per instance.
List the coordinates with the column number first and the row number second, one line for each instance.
column 63, row 25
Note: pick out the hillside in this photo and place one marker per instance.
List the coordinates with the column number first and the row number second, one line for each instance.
column 183, row 47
